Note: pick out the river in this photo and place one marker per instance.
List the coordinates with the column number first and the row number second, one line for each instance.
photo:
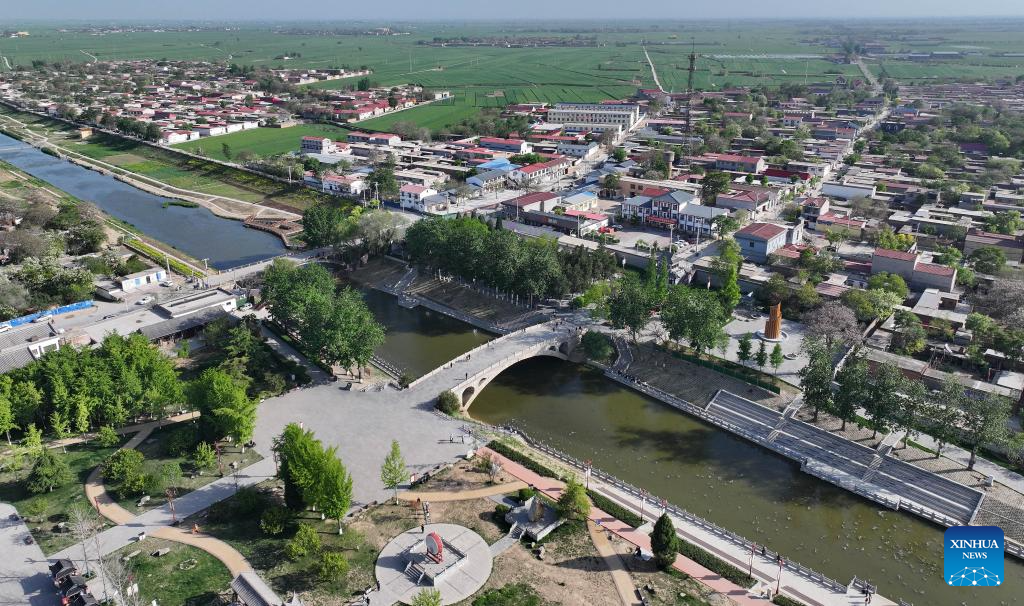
column 196, row 232
column 731, row 482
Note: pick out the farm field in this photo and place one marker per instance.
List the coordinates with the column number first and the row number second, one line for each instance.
column 262, row 141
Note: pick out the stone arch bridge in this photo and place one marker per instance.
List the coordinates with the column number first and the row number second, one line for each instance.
column 468, row 374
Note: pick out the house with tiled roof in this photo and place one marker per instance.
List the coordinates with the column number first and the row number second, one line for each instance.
column 758, row 240
column 752, row 198
column 908, row 265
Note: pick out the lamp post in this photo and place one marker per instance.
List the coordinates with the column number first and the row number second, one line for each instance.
column 750, row 566
column 778, row 584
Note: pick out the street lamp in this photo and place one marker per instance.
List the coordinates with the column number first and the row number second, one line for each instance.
column 778, row 584
column 750, row 566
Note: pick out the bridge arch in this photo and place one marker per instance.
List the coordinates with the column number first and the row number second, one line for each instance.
column 469, row 389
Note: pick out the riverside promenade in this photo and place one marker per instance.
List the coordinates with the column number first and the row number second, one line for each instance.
column 798, row 583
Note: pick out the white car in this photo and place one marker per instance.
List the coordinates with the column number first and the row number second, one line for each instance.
column 144, row 300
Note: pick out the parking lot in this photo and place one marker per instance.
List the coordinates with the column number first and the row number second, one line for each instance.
column 25, row 578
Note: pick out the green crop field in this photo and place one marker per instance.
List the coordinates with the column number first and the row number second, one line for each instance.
column 263, row 141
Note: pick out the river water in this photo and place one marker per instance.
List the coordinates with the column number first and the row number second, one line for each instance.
column 195, row 231
column 731, row 482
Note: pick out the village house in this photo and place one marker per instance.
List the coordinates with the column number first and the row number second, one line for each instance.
column 412, row 196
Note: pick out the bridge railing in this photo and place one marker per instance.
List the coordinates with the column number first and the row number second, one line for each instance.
column 488, row 345
column 710, row 527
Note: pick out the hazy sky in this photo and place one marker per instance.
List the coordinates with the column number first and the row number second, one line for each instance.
column 397, row 10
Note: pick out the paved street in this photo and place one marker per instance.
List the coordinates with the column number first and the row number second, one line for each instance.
column 24, row 578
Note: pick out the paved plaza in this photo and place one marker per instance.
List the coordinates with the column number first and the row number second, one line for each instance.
column 794, row 359
column 465, row 568
column 24, row 579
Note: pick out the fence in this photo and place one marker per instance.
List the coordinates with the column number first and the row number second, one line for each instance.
column 695, row 520
column 49, row 312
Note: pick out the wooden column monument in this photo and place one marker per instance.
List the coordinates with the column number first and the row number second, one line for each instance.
column 773, row 327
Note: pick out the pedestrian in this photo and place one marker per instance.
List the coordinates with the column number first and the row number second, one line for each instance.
column 764, row 552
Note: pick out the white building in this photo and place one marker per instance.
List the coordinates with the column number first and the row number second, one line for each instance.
column 625, row 115
column 413, row 196
column 317, row 145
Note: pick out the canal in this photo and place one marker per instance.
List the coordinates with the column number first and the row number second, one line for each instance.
column 731, row 482
column 419, row 340
column 194, row 231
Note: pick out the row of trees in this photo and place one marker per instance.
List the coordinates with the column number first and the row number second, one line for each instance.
column 333, row 324
column 893, row 402
column 327, row 224
column 532, row 267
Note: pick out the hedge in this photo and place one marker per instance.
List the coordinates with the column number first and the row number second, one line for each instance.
column 611, row 507
column 782, row 600
column 522, row 459
column 715, row 564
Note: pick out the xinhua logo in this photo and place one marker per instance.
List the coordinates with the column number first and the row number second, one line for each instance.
column 973, row 556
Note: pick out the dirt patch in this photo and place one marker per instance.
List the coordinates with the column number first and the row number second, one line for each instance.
column 693, row 383
column 572, row 573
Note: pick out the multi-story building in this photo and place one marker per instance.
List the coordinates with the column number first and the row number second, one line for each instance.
column 625, row 115
column 513, row 146
column 317, row 145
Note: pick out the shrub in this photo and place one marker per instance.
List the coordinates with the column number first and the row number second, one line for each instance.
column 525, row 494
column 715, row 564
column 448, row 403
column 124, row 470
column 248, row 501
column 597, row 346
column 203, row 457
column 516, row 594
column 305, row 542
column 273, row 520
column 107, row 437
column 500, row 510
column 332, row 566
column 404, row 380
column 782, row 600
column 573, row 503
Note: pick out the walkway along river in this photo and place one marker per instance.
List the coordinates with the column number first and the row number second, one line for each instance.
column 194, row 231
column 731, row 482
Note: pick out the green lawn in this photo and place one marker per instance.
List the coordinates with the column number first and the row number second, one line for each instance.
column 435, row 116
column 263, row 141
column 184, row 575
column 45, row 511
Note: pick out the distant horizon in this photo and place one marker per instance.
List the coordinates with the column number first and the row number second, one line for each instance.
column 657, row 22
column 465, row 11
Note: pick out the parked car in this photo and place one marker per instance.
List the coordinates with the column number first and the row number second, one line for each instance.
column 109, row 316
column 144, row 300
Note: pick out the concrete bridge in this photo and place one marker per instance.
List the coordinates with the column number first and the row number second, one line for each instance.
column 468, row 374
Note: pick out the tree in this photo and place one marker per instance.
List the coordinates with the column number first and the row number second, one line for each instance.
column 573, row 503
column 107, row 437
column 620, row 154
column 33, row 440
column 868, row 305
column 776, row 358
column 854, row 388
column 226, row 409
column 427, row 597
column 225, row 150
column 910, row 336
column 7, row 416
column 332, row 566
column 988, row 259
column 323, row 224
column 335, row 490
column 713, row 183
column 204, row 456
column 696, row 316
column 597, row 346
column 984, row 422
column 664, row 542
column 727, row 267
column 394, row 472
column 885, row 399
column 124, row 470
column 816, row 378
column 943, row 413
column 49, row 472
column 893, row 283
column 1008, row 222
column 744, row 349
column 448, row 402
column 761, row 357
column 629, row 306
column 890, row 240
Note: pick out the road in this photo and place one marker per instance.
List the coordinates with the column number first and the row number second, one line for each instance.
column 654, row 72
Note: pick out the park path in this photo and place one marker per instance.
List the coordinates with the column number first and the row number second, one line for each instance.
column 228, row 555
column 96, row 488
column 439, row 496
column 623, row 582
column 553, row 489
